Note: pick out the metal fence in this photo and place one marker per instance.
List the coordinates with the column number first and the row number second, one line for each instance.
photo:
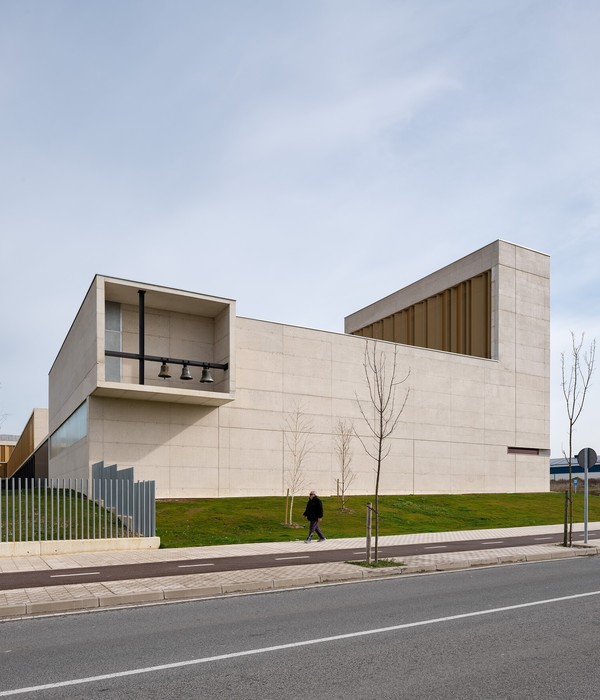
column 34, row 510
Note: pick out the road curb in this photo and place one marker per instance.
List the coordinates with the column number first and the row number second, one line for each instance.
column 54, row 606
column 511, row 558
column 296, row 581
column 247, row 586
column 201, row 592
column 13, row 610
column 105, row 601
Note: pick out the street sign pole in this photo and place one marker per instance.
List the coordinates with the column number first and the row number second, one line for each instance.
column 585, row 502
column 586, row 458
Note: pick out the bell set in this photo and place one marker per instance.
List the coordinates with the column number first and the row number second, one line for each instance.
column 206, row 378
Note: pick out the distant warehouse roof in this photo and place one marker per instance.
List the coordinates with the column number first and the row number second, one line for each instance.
column 560, row 465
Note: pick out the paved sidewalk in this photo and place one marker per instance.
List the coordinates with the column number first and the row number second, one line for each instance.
column 55, row 599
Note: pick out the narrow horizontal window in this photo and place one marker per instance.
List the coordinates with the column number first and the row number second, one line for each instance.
column 523, row 451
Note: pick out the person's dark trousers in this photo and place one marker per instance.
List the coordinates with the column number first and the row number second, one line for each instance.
column 314, row 527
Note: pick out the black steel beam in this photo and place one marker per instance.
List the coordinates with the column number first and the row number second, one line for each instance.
column 167, row 360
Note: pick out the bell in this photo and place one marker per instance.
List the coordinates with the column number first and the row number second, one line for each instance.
column 185, row 373
column 206, row 377
column 165, row 372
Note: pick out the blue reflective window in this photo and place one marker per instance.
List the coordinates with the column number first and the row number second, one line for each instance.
column 70, row 432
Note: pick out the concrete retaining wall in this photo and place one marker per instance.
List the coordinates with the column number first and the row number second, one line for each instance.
column 24, row 549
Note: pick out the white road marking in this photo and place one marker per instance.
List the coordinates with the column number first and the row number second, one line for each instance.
column 493, row 542
column 358, row 552
column 301, row 556
column 543, row 538
column 436, row 546
column 89, row 573
column 191, row 566
column 293, row 645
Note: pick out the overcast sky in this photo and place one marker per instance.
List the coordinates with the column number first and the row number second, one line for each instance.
column 303, row 158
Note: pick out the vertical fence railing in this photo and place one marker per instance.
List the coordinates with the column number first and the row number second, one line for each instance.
column 35, row 510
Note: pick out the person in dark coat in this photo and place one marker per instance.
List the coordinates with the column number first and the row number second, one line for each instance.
column 314, row 512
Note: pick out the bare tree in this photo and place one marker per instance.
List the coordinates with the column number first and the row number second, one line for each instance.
column 576, row 375
column 384, row 412
column 344, row 432
column 298, row 438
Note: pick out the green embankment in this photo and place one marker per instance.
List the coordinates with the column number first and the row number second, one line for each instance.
column 243, row 520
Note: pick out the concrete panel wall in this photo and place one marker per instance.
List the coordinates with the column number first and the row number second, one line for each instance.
column 461, row 417
column 177, row 446
column 73, row 375
column 459, row 420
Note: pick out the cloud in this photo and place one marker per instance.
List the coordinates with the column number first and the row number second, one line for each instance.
column 305, row 159
column 364, row 115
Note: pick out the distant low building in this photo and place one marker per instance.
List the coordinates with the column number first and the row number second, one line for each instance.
column 29, row 456
column 130, row 386
column 559, row 468
column 7, row 445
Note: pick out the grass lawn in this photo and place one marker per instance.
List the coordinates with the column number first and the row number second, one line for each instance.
column 242, row 520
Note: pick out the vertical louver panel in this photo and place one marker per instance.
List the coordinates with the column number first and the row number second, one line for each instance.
column 455, row 320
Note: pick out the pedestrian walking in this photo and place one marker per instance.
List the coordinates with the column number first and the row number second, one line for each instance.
column 313, row 513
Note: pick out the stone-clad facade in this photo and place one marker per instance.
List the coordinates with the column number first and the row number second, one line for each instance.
column 471, row 424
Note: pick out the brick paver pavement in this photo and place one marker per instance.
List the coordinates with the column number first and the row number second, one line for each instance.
column 62, row 598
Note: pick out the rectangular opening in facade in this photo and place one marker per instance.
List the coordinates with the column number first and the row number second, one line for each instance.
column 523, row 451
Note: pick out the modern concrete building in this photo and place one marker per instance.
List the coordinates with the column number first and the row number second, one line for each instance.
column 474, row 336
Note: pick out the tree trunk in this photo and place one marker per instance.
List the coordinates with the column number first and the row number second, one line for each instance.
column 369, row 516
column 566, row 528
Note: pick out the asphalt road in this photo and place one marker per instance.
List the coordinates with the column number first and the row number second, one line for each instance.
column 521, row 631
column 312, row 554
